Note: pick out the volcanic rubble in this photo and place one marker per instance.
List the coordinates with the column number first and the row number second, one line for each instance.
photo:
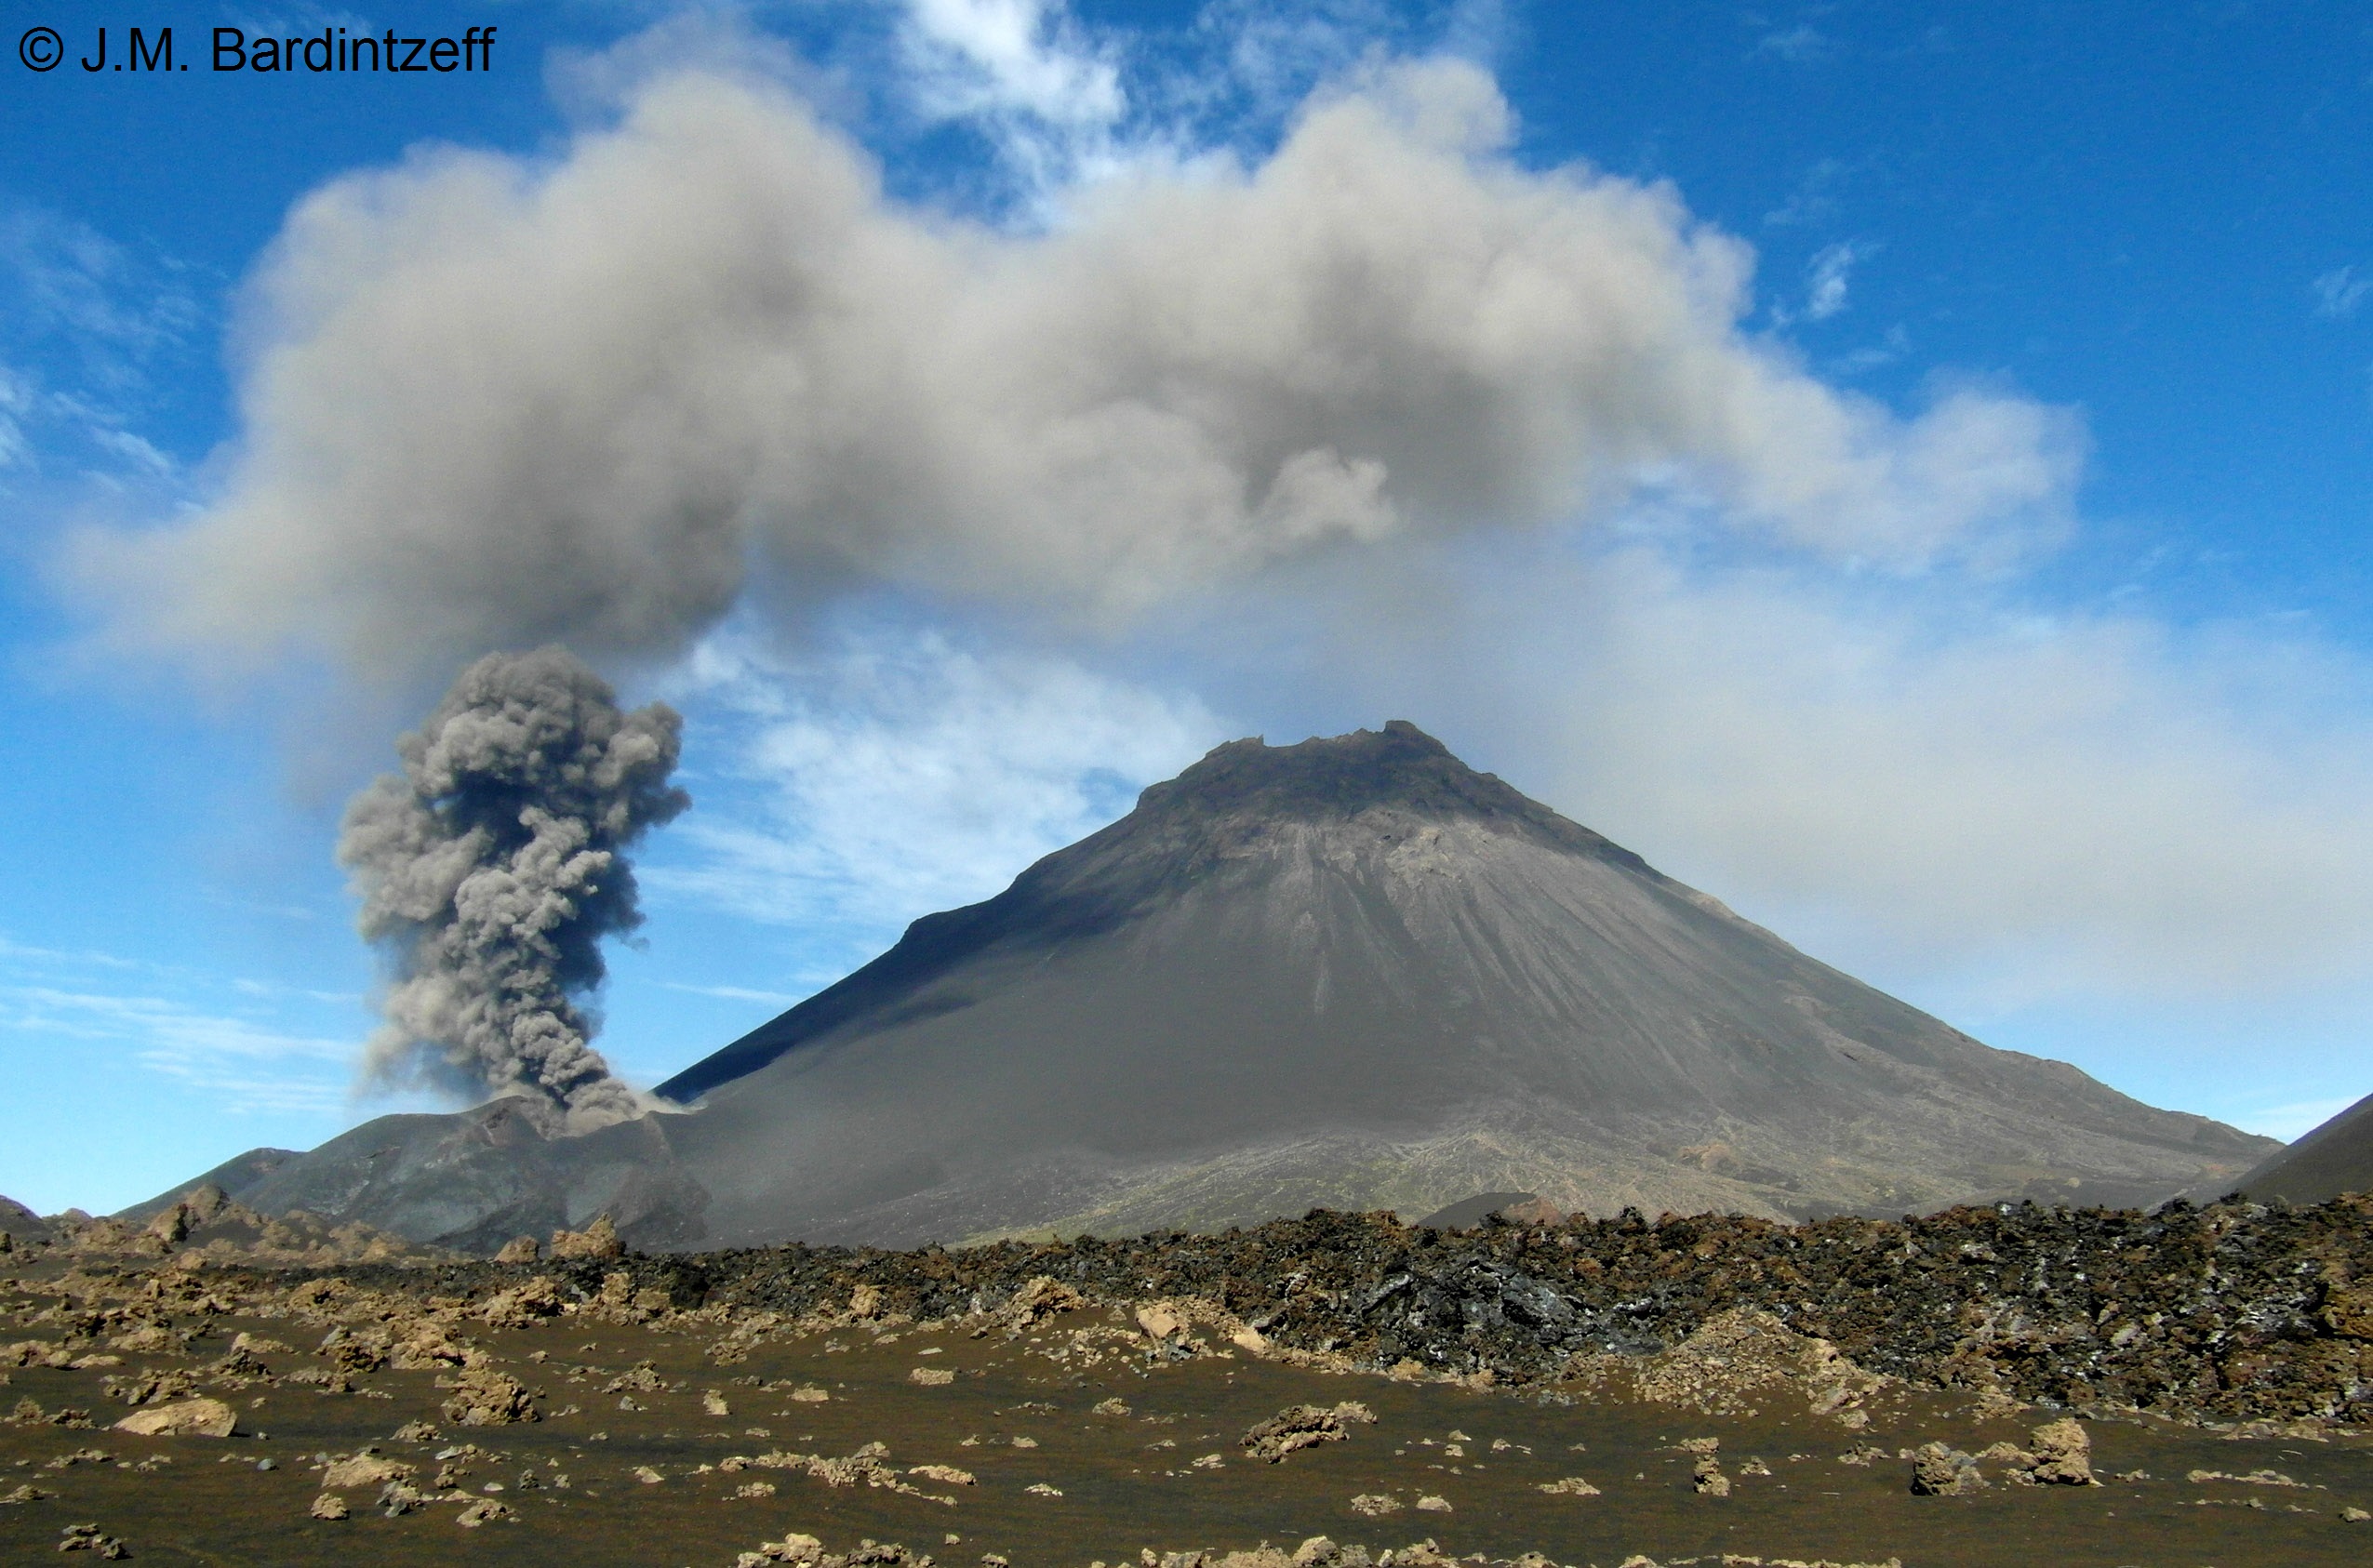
column 2232, row 1312
column 1954, row 1355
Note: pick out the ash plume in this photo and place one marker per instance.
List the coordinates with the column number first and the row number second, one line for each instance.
column 492, row 868
column 596, row 398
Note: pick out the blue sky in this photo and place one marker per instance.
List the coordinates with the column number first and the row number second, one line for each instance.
column 2041, row 699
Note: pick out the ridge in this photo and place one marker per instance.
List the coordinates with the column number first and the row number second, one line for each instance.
column 1333, row 778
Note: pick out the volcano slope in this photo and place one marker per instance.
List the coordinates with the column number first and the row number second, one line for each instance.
column 1356, row 973
column 1350, row 974
column 2331, row 1159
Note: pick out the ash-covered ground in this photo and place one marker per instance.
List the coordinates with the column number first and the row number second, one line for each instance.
column 1987, row 1385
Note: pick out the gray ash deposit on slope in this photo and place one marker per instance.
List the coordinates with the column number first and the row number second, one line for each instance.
column 2334, row 1157
column 1356, row 973
column 1350, row 974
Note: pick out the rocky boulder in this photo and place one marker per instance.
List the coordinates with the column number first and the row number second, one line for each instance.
column 199, row 1418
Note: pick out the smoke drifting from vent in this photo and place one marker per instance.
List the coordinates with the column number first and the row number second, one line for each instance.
column 492, row 866
column 494, row 403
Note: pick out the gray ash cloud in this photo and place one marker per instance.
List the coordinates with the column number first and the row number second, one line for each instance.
column 492, row 866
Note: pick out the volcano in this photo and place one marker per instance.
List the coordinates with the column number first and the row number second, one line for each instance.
column 1351, row 972
column 2332, row 1159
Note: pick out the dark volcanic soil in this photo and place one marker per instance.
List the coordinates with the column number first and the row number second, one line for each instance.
column 701, row 1407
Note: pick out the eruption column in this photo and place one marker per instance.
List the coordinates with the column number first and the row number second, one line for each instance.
column 492, row 868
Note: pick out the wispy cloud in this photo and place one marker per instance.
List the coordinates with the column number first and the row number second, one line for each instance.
column 1799, row 41
column 251, row 906
column 1799, row 45
column 1872, row 356
column 17, row 393
column 304, row 18
column 1045, row 91
column 901, row 774
column 1247, row 65
column 1814, row 197
column 1948, row 775
column 1827, row 275
column 1012, row 55
column 90, row 331
column 1069, row 103
column 242, row 1062
column 228, row 1038
column 734, row 994
column 13, row 953
column 67, row 277
column 2338, row 292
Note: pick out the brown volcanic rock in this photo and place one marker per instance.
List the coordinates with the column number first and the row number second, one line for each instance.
column 199, row 1418
column 1558, row 1467
column 204, row 1225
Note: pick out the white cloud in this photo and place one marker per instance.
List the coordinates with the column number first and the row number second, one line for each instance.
column 2005, row 800
column 228, row 1038
column 136, row 451
column 734, row 994
column 899, row 774
column 88, row 330
column 2340, row 291
column 16, row 402
column 1247, row 65
column 1815, row 197
column 241, row 1063
column 1025, row 75
column 1801, row 44
column 986, row 55
column 1827, row 275
column 66, row 277
column 25, row 957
